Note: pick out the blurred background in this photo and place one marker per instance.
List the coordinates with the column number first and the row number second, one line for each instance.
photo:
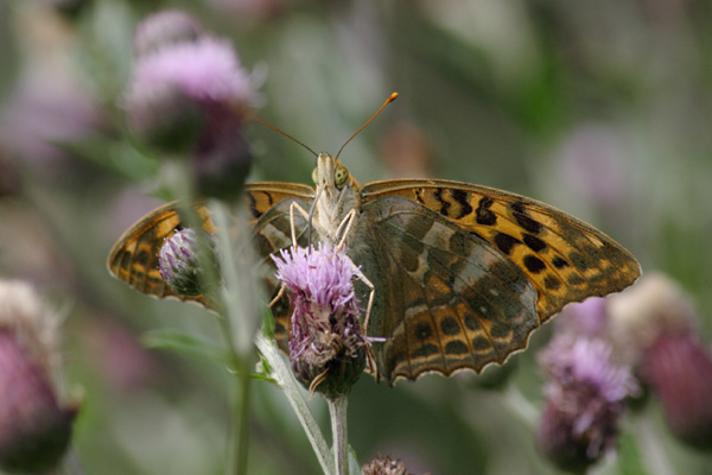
column 600, row 108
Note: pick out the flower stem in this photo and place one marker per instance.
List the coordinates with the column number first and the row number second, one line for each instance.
column 242, row 418
column 339, row 432
column 286, row 380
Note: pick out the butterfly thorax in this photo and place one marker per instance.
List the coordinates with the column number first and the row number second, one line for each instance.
column 337, row 194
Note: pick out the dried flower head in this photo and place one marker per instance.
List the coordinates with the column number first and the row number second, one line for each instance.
column 326, row 345
column 35, row 429
column 384, row 465
column 179, row 264
column 585, row 399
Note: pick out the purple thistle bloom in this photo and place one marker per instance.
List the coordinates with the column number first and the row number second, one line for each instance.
column 189, row 95
column 585, row 398
column 163, row 29
column 326, row 345
column 206, row 70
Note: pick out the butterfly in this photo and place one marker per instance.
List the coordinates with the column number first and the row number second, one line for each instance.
column 460, row 275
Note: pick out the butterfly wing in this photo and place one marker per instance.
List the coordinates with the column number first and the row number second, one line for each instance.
column 134, row 257
column 565, row 259
column 445, row 299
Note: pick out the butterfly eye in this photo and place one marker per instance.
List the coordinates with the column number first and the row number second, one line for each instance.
column 340, row 176
column 314, row 176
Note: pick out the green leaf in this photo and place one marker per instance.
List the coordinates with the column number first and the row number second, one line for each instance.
column 629, row 459
column 354, row 465
column 180, row 342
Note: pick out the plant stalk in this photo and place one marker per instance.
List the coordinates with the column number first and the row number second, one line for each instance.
column 339, row 433
column 282, row 372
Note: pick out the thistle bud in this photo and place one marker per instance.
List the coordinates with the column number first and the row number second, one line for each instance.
column 179, row 264
column 35, row 428
column 653, row 306
column 326, row 345
column 679, row 369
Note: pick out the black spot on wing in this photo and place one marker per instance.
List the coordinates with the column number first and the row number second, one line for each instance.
column 534, row 243
column 534, row 264
column 505, row 242
column 524, row 220
column 460, row 197
column 456, row 347
column 484, row 214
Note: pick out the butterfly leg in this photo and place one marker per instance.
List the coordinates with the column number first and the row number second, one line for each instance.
column 305, row 214
column 277, row 297
column 344, row 228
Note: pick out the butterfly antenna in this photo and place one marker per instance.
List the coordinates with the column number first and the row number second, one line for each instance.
column 281, row 132
column 391, row 98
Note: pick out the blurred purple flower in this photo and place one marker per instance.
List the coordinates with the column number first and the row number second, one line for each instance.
column 591, row 160
column 163, row 29
column 585, row 393
column 655, row 305
column 588, row 318
column 35, row 429
column 38, row 121
column 189, row 94
column 679, row 369
column 326, row 345
column 122, row 361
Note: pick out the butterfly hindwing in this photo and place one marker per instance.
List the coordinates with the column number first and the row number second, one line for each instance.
column 449, row 300
column 565, row 259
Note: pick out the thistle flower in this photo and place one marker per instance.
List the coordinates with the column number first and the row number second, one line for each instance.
column 178, row 263
column 164, row 29
column 584, row 396
column 35, row 429
column 384, row 465
column 189, row 94
column 326, row 345
column 175, row 91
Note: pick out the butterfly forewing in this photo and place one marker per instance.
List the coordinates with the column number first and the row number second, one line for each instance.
column 565, row 259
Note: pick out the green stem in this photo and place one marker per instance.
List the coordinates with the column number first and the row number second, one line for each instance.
column 292, row 389
column 339, row 433
column 242, row 413
column 652, row 448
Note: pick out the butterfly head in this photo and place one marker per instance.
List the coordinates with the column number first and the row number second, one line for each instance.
column 330, row 174
column 336, row 191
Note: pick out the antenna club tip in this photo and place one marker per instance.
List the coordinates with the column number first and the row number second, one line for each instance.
column 393, row 96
